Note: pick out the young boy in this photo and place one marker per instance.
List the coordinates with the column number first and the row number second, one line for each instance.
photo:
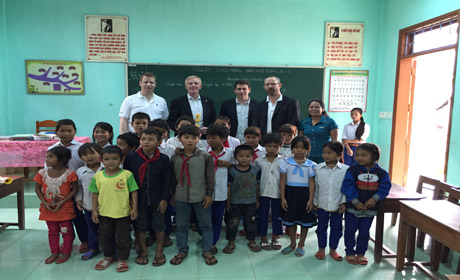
column 192, row 188
column 252, row 138
column 270, row 191
column 111, row 190
column 243, row 198
column 90, row 153
column 231, row 142
column 180, row 122
column 127, row 142
column 223, row 159
column 139, row 122
column 152, row 172
column 163, row 126
column 288, row 131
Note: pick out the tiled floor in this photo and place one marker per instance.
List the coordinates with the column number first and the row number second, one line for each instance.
column 22, row 255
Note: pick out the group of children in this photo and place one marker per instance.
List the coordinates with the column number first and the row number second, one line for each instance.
column 140, row 180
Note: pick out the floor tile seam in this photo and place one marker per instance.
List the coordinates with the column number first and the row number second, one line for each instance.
column 32, row 270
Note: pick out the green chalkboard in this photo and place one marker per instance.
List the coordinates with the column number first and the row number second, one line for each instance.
column 301, row 83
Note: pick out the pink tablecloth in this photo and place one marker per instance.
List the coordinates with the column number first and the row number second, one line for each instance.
column 27, row 153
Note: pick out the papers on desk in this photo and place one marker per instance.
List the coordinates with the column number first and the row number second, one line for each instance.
column 22, row 137
column 43, row 137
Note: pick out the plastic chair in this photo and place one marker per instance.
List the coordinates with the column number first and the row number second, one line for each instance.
column 45, row 126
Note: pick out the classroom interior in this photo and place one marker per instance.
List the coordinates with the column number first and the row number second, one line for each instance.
column 205, row 32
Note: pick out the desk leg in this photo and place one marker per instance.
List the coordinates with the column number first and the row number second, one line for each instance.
column 21, row 212
column 401, row 250
column 411, row 232
column 378, row 245
column 435, row 254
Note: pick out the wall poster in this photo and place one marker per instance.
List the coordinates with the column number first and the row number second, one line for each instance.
column 348, row 90
column 343, row 45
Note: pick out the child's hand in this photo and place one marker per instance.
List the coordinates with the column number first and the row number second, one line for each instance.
column 284, row 205
column 342, row 208
column 79, row 205
column 310, row 206
column 349, row 152
column 257, row 204
column 229, row 206
column 207, row 201
column 370, row 203
column 360, row 206
column 95, row 217
column 223, row 163
column 48, row 206
column 173, row 200
column 58, row 206
column 133, row 214
column 162, row 206
column 177, row 151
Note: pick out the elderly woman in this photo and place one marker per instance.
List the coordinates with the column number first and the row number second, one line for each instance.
column 319, row 127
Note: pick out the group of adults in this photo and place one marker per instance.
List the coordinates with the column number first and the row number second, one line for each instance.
column 268, row 114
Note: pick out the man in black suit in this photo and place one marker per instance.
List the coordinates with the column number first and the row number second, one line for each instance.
column 200, row 108
column 241, row 110
column 276, row 109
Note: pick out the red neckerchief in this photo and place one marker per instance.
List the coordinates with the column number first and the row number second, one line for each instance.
column 144, row 165
column 216, row 158
column 226, row 145
column 183, row 168
column 254, row 155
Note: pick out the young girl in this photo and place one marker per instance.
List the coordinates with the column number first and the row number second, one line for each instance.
column 329, row 200
column 103, row 134
column 354, row 133
column 127, row 142
column 364, row 185
column 55, row 187
column 288, row 131
column 297, row 186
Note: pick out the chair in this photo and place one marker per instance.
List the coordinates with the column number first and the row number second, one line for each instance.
column 45, row 126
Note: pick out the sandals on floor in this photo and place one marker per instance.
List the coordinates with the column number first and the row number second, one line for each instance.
column 122, row 266
column 89, row 255
column 62, row 258
column 265, row 245
column 287, row 250
column 103, row 264
column 142, row 260
column 229, row 248
column 209, row 259
column 299, row 252
column 254, row 247
column 336, row 256
column 214, row 250
column 276, row 245
column 351, row 259
column 52, row 258
column 177, row 259
column 320, row 255
column 362, row 260
column 158, row 261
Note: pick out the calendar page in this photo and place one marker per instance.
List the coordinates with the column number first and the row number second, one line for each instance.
column 348, row 90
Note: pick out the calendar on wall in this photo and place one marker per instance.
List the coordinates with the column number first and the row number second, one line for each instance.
column 348, row 90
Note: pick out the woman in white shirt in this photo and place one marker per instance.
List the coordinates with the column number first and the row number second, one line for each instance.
column 354, row 134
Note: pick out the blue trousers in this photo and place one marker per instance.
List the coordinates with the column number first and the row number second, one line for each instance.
column 349, row 160
column 335, row 220
column 93, row 232
column 79, row 222
column 262, row 222
column 217, row 209
column 353, row 224
column 183, row 213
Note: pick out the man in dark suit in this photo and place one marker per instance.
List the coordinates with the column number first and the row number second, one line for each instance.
column 200, row 108
column 241, row 110
column 276, row 109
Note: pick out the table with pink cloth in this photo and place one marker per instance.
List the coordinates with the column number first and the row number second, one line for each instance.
column 27, row 153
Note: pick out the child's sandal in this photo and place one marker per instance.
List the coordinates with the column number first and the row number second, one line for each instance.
column 229, row 248
column 52, row 258
column 320, row 255
column 122, row 266
column 362, row 260
column 276, row 245
column 254, row 247
column 265, row 245
column 336, row 256
column 351, row 259
column 103, row 264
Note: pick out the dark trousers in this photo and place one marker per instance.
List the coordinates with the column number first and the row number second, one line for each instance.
column 93, row 231
column 353, row 224
column 248, row 211
column 217, row 214
column 335, row 232
column 79, row 223
column 262, row 222
column 109, row 229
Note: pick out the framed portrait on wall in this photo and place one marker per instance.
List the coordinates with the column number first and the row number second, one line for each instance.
column 343, row 45
column 54, row 77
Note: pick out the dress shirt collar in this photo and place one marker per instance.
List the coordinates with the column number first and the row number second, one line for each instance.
column 278, row 100
column 189, row 97
column 247, row 102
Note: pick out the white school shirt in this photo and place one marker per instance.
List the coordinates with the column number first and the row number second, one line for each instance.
column 177, row 144
column 270, row 177
column 85, row 176
column 156, row 108
column 328, row 182
column 297, row 175
column 233, row 142
column 221, row 187
column 197, row 109
column 166, row 149
column 285, row 151
column 349, row 131
column 260, row 152
column 75, row 162
column 242, row 114
column 271, row 111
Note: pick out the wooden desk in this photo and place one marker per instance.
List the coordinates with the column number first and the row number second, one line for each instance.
column 390, row 205
column 438, row 218
column 17, row 186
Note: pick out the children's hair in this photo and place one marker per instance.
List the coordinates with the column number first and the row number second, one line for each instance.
column 160, row 123
column 272, row 138
column 63, row 154
column 184, row 118
column 224, row 119
column 112, row 150
column 88, row 147
column 140, row 116
column 190, row 130
column 360, row 130
column 252, row 130
column 65, row 122
column 321, row 103
column 153, row 131
column 130, row 138
column 105, row 126
column 288, row 128
column 242, row 82
column 147, row 74
column 335, row 146
column 372, row 149
column 219, row 130
column 242, row 147
column 302, row 139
